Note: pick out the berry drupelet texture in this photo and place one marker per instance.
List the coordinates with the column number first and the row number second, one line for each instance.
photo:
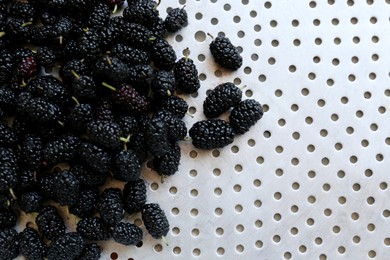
column 186, row 75
column 168, row 164
column 127, row 234
column 127, row 166
column 211, row 134
column 225, row 53
column 86, row 203
column 94, row 228
column 110, row 206
column 221, row 98
column 90, row 251
column 66, row 246
column 244, row 115
column 31, row 245
column 155, row 220
column 176, row 19
column 50, row 223
column 134, row 196
column 9, row 241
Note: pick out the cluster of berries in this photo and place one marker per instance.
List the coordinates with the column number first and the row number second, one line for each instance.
column 111, row 108
column 216, row 133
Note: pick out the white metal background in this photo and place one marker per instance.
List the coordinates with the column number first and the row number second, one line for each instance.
column 310, row 180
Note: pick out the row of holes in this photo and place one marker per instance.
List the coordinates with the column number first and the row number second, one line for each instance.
column 294, row 23
column 201, row 36
column 259, row 244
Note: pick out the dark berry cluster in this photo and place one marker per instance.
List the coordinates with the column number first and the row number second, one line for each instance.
column 216, row 133
column 87, row 97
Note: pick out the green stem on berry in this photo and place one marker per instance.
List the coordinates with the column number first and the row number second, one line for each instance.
column 125, row 141
column 61, row 123
column 191, row 115
column 108, row 60
column 242, row 87
column 26, row 24
column 158, row 3
column 76, row 101
column 164, row 239
column 108, row 86
column 152, row 38
column 2, row 34
column 11, row 191
column 212, row 37
column 115, row 9
column 187, row 53
column 61, row 39
column 23, row 83
column 162, row 178
column 169, row 93
column 74, row 73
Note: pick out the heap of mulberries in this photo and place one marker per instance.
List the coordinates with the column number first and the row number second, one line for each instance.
column 112, row 108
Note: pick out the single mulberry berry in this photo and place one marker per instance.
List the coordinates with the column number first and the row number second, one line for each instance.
column 141, row 12
column 9, row 169
column 164, row 83
column 111, row 69
column 66, row 246
column 87, row 176
column 134, row 196
column 9, row 241
column 128, row 99
column 211, row 134
column 174, row 104
column 127, row 234
column 8, row 218
column 127, row 166
column 46, row 57
column 8, row 136
column 91, row 251
column 86, row 203
column 99, row 15
column 31, row 245
column 141, row 76
column 110, row 206
column 106, row 133
column 221, row 98
column 168, row 164
column 78, row 118
column 50, row 223
column 162, row 53
column 135, row 34
column 61, row 149
column 130, row 55
column 38, row 110
column 176, row 19
column 225, row 53
column 83, row 87
column 50, row 88
column 244, row 115
column 66, row 188
column 95, row 157
column 31, row 202
column 186, row 75
column 155, row 220
column 176, row 128
column 94, row 228
column 156, row 135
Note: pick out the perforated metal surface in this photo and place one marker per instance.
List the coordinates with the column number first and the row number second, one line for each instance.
column 310, row 181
